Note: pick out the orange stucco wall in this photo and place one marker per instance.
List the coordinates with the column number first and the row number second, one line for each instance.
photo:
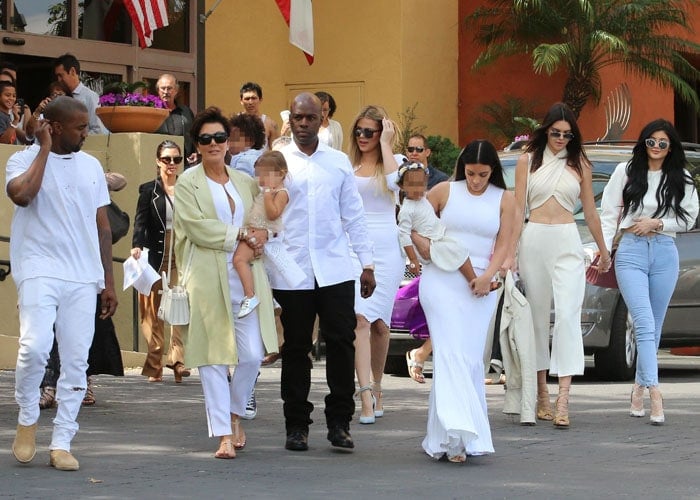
column 395, row 53
column 515, row 76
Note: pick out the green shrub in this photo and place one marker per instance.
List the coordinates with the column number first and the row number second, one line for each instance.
column 443, row 154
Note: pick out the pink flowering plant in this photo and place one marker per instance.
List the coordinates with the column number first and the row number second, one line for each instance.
column 134, row 94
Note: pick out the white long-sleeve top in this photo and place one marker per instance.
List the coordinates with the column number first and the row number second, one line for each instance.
column 611, row 205
column 324, row 217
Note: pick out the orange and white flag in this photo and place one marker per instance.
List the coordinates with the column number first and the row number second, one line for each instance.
column 299, row 17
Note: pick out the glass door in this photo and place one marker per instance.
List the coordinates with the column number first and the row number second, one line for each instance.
column 101, row 35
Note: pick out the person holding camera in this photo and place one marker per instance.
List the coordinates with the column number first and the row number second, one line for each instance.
column 12, row 111
column 55, row 89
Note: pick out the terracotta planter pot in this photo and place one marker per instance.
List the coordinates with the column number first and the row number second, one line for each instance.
column 132, row 118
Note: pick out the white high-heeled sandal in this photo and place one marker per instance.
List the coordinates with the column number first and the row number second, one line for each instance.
column 369, row 419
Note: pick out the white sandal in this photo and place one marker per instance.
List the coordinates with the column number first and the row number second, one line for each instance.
column 412, row 364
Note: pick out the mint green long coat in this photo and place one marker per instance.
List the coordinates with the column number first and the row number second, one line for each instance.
column 209, row 338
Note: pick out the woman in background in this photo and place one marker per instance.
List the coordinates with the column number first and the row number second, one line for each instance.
column 153, row 229
column 330, row 133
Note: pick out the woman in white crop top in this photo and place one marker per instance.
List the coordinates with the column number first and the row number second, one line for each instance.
column 549, row 178
column 653, row 197
column 373, row 136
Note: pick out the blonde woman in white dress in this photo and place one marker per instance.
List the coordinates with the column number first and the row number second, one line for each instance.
column 373, row 136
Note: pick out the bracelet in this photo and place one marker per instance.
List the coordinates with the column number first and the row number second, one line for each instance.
column 242, row 233
column 267, row 190
column 660, row 227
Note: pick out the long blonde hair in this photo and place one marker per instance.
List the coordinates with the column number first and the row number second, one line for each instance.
column 377, row 114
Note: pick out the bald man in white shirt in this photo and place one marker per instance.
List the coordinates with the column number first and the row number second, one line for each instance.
column 323, row 219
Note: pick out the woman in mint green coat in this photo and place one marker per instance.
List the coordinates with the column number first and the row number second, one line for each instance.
column 211, row 201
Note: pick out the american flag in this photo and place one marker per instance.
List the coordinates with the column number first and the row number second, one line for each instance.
column 147, row 16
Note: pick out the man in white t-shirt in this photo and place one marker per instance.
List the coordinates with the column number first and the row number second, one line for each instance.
column 61, row 258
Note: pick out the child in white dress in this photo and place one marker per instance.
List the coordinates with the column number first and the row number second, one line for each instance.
column 417, row 214
column 266, row 213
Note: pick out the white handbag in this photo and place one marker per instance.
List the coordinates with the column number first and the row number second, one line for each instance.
column 175, row 303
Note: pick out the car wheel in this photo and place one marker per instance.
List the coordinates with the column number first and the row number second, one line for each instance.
column 619, row 360
column 396, row 365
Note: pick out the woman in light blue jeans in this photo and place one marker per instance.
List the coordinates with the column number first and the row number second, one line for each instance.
column 649, row 199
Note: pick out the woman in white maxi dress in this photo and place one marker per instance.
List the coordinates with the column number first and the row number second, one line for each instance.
column 376, row 174
column 479, row 214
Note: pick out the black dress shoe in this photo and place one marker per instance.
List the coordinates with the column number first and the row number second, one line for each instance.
column 297, row 440
column 340, row 437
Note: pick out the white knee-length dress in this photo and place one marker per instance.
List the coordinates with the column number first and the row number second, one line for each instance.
column 458, row 322
column 389, row 264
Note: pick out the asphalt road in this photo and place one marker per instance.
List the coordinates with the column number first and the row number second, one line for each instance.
column 149, row 441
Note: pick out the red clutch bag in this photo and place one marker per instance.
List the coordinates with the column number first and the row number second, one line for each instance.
column 603, row 280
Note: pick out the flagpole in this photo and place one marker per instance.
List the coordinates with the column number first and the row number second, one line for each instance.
column 203, row 17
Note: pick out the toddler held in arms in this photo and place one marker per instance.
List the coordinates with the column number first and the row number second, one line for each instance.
column 417, row 214
column 266, row 213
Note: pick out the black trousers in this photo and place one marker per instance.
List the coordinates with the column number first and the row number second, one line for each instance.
column 335, row 307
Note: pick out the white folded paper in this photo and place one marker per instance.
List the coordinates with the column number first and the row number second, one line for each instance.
column 139, row 273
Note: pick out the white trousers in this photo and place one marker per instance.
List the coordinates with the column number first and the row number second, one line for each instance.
column 551, row 263
column 42, row 303
column 221, row 397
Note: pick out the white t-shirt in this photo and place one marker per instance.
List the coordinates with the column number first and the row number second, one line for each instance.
column 55, row 236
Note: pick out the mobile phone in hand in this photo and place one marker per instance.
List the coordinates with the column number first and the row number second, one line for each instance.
column 20, row 103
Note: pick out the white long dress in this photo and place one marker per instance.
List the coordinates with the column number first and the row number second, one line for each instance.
column 458, row 323
column 389, row 264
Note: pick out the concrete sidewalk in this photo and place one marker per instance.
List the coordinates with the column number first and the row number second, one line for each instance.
column 146, row 440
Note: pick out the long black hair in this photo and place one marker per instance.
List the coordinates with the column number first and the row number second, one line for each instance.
column 674, row 177
column 481, row 151
column 576, row 156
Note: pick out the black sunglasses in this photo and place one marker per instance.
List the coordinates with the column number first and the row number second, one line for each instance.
column 367, row 133
column 416, row 149
column 171, row 159
column 218, row 137
column 561, row 135
column 652, row 143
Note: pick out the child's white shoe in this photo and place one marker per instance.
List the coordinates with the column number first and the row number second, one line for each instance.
column 248, row 305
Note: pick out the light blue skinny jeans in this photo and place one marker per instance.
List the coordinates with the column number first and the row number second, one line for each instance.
column 647, row 270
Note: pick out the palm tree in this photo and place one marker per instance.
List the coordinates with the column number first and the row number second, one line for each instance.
column 584, row 36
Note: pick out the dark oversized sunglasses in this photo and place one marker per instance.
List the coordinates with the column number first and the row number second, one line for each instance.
column 367, row 133
column 561, row 135
column 171, row 159
column 218, row 137
column 416, row 149
column 652, row 143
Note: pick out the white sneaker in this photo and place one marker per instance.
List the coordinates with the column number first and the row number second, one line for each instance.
column 248, row 305
column 251, row 407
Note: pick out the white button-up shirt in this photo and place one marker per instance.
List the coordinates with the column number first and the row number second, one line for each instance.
column 92, row 102
column 324, row 217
